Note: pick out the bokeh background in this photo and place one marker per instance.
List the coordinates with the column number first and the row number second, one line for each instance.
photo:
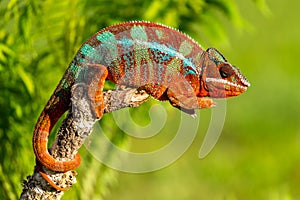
column 257, row 155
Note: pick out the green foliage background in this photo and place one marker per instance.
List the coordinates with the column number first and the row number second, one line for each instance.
column 257, row 156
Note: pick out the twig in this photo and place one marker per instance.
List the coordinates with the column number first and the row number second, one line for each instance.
column 74, row 129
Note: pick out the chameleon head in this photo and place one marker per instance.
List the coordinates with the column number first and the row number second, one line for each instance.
column 219, row 78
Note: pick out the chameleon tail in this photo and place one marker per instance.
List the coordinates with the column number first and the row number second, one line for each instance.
column 55, row 108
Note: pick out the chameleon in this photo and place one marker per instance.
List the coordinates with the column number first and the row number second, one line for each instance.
column 168, row 64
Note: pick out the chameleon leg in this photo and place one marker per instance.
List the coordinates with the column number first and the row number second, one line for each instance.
column 156, row 91
column 181, row 95
column 190, row 103
column 95, row 79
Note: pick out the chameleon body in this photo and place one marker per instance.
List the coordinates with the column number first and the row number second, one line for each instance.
column 166, row 63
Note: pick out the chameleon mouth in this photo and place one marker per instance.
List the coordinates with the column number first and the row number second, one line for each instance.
column 228, row 83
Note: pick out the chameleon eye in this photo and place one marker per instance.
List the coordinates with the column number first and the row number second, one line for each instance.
column 224, row 72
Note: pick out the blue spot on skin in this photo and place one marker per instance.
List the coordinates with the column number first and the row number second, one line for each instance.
column 172, row 48
column 129, row 60
column 80, row 60
column 165, row 57
column 190, row 72
column 75, row 69
column 109, row 41
column 139, row 33
column 160, row 71
column 126, row 42
column 187, row 64
column 90, row 52
column 86, row 49
column 156, row 47
column 106, row 37
column 128, row 46
column 161, row 56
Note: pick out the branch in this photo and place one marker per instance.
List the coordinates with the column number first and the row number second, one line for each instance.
column 77, row 125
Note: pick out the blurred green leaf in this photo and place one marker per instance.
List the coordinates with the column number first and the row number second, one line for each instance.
column 27, row 80
column 263, row 6
column 5, row 52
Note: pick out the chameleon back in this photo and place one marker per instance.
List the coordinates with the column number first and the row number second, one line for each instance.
column 139, row 53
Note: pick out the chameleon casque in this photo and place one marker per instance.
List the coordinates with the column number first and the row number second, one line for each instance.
column 166, row 63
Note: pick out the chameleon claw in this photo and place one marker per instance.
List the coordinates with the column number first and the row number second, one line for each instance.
column 194, row 116
column 214, row 104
